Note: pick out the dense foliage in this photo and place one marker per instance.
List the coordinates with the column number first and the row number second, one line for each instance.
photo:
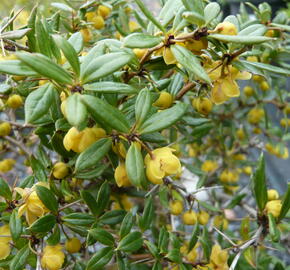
column 126, row 139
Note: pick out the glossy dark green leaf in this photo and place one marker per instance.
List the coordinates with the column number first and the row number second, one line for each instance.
column 79, row 219
column 131, row 242
column 148, row 214
column 139, row 40
column 19, row 260
column 38, row 169
column 100, row 258
column 93, row 154
column 142, row 106
column 90, row 201
column 259, row 184
column 135, row 165
column 247, row 40
column 45, row 67
column 5, row 191
column 194, row 237
column 102, row 236
column 152, row 248
column 43, row 224
column 285, row 203
column 92, row 173
column 111, row 88
column 15, row 225
column 126, row 225
column 113, row 217
column 38, row 103
column 163, row 119
column 105, row 112
column 189, row 61
column 54, row 238
column 103, row 198
column 47, row 197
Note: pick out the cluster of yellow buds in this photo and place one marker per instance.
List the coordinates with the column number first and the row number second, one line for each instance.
column 220, row 222
column 121, row 202
column 273, row 205
column 78, row 141
column 229, row 176
column 255, row 116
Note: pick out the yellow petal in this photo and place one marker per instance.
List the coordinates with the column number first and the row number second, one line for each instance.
column 154, row 172
column 230, row 87
column 21, row 210
column 168, row 56
column 170, row 164
column 4, row 250
column 30, row 217
column 217, row 94
column 21, row 191
column 243, row 75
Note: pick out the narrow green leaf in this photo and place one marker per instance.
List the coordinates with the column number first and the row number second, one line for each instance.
column 15, row 225
column 76, row 40
column 148, row 214
column 100, row 258
column 47, row 197
column 38, row 169
column 93, row 154
column 5, row 191
column 90, row 201
column 38, row 103
column 103, row 198
column 142, row 106
column 16, row 34
column 113, row 217
column 247, row 40
column 76, row 111
column 149, row 15
column 131, row 242
column 16, row 67
column 140, row 40
column 259, row 184
column 163, row 240
column 106, row 112
column 163, row 119
column 19, row 260
column 273, row 230
column 135, row 165
column 285, row 204
column 194, row 237
column 194, row 18
column 54, row 238
column 45, row 67
column 111, row 88
column 44, row 224
column 79, row 219
column 126, row 225
column 211, row 11
column 253, row 30
column 102, row 236
column 282, row 26
column 188, row 60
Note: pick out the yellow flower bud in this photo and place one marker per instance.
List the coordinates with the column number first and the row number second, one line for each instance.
column 226, row 28
column 52, row 258
column 4, row 242
column 14, row 101
column 176, row 207
column 104, row 11
column 287, row 109
column 248, row 91
column 203, row 217
column 274, row 207
column 87, row 35
column 272, row 194
column 257, row 78
column 257, row 130
column 121, row 176
column 240, row 134
column 5, row 129
column 284, row 122
column 220, row 222
column 164, row 100
column 270, row 33
column 203, row 105
column 6, row 165
column 255, row 115
column 98, row 22
column 248, row 170
column 90, row 16
column 219, row 257
column 189, row 217
column 229, row 176
column 73, row 245
column 209, row 166
column 18, row 78
column 60, row 170
column 264, row 86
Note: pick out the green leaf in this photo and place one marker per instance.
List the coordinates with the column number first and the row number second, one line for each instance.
column 100, row 258
column 103, row 198
column 31, row 39
column 253, row 30
column 47, row 197
column 93, row 154
column 38, row 103
column 140, row 40
column 62, row 7
column 76, row 111
column 69, row 53
column 16, row 67
column 113, row 217
column 131, row 242
column 44, row 224
column 236, row 200
column 90, row 201
column 189, row 61
column 163, row 240
column 194, row 17
column 194, row 237
column 92, row 173
column 282, row 26
column 15, row 225
column 259, row 184
column 105, row 112
column 247, row 40
column 76, row 40
column 79, row 219
column 19, row 260
column 38, row 169
column 15, row 34
column 102, row 236
column 285, row 204
column 54, row 238
column 152, row 248
column 45, row 67
column 148, row 214
column 5, row 191
column 142, row 106
column 273, row 230
column 209, row 206
column 43, row 38
column 149, row 15
column 104, row 65
column 135, row 166
column 163, row 119
column 111, row 88
column 211, row 11
column 126, row 225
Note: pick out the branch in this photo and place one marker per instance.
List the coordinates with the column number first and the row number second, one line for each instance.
column 184, row 90
column 17, row 45
column 19, row 144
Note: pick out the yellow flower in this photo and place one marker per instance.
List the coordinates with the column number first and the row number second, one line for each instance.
column 4, row 242
column 229, row 176
column 98, row 22
column 162, row 163
column 203, row 217
column 104, row 11
column 248, row 170
column 219, row 258
column 220, row 221
column 60, row 170
column 6, row 165
column 272, row 194
column 226, row 28
column 274, row 207
column 52, row 258
column 285, row 122
column 5, row 129
column 189, row 217
column 121, row 176
column 248, row 91
column 119, row 149
column 209, row 166
column 78, row 141
column 32, row 206
column 176, row 207
column 255, row 115
column 73, row 245
column 14, row 102
column 203, row 105
column 164, row 100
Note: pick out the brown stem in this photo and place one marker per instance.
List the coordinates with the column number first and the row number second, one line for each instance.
column 17, row 45
column 149, row 52
column 184, row 90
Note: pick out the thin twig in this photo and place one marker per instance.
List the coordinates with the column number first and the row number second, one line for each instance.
column 225, row 236
column 20, row 145
column 184, row 90
column 19, row 46
column 69, row 205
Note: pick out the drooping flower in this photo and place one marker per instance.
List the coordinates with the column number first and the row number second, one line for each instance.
column 219, row 258
column 52, row 258
column 4, row 241
column 121, row 176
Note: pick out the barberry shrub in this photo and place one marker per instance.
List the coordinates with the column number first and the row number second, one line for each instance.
column 126, row 140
